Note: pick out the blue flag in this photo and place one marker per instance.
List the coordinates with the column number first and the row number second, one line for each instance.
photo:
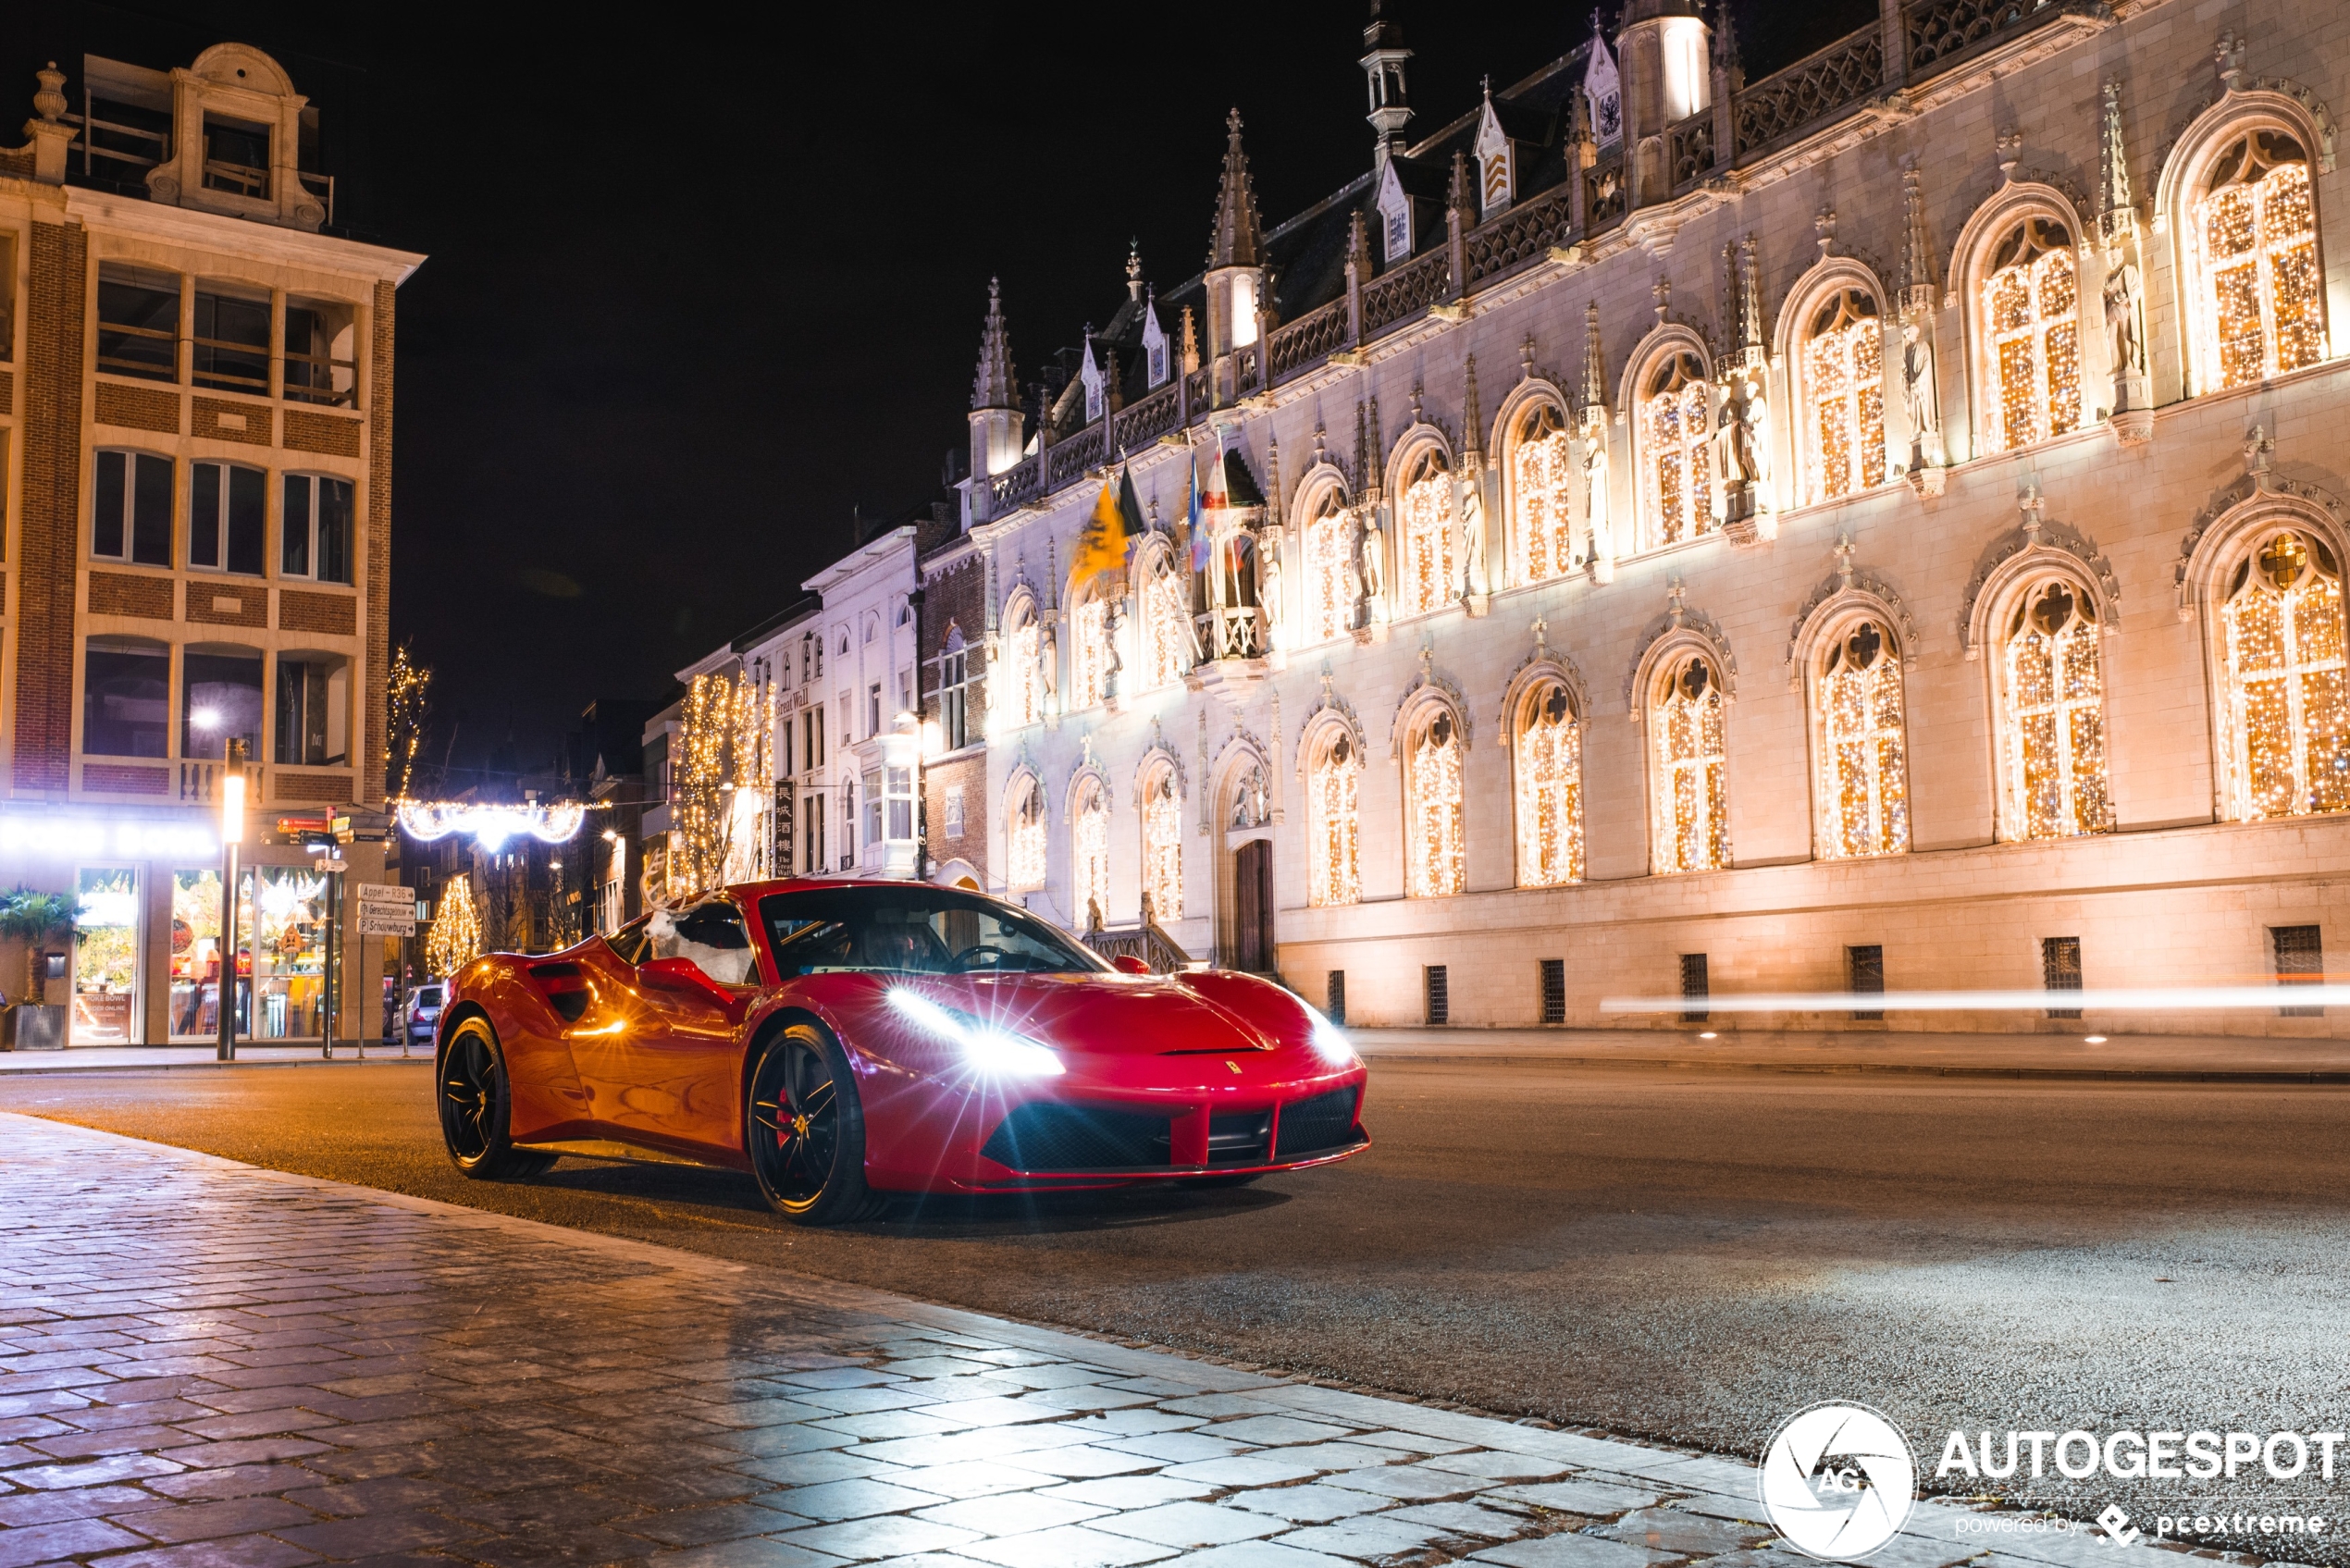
column 1196, row 524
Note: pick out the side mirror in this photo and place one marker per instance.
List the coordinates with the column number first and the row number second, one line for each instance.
column 1126, row 963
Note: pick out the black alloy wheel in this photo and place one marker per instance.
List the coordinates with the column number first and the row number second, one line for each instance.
column 804, row 1130
column 474, row 1102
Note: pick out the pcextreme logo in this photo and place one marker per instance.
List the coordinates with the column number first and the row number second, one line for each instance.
column 1839, row 1480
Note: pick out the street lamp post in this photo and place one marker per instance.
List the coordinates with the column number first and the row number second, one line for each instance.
column 232, row 833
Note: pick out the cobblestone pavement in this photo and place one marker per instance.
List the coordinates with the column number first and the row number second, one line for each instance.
column 203, row 1365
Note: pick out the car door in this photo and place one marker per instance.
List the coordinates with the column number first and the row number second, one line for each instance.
column 670, row 1080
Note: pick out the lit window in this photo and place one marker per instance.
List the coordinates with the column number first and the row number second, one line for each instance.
column 1163, row 847
column 1089, row 859
column 1427, row 546
column 2054, row 747
column 1333, row 841
column 1089, row 652
column 1027, row 866
column 1549, row 766
column 2289, row 707
column 2031, row 307
column 1329, row 595
column 899, row 782
column 1865, row 768
column 1165, row 610
column 1691, row 808
column 1676, row 423
column 954, row 694
column 1844, row 368
column 1542, row 471
column 2255, row 238
column 1023, row 694
column 1434, row 855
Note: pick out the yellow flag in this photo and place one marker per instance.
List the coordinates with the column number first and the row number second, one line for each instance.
column 1101, row 545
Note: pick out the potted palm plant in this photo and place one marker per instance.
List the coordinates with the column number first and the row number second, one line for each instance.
column 33, row 919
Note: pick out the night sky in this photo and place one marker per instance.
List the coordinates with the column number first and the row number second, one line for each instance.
column 700, row 282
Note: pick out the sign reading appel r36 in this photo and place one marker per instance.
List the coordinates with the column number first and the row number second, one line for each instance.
column 387, row 911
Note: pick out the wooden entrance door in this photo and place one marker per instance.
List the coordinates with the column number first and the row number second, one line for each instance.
column 1252, row 906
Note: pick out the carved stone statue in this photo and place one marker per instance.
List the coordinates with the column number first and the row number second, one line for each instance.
column 1351, row 576
column 1372, row 557
column 1596, row 529
column 1268, row 579
column 1473, row 534
column 2125, row 327
column 1918, row 391
column 1048, row 657
column 1111, row 662
column 1741, row 429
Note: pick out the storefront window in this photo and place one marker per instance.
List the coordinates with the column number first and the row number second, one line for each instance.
column 195, row 955
column 281, row 954
column 106, row 957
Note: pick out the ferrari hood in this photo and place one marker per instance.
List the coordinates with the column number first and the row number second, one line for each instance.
column 1125, row 1015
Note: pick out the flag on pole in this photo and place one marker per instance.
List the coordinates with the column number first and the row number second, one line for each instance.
column 1101, row 544
column 1196, row 524
column 1130, row 505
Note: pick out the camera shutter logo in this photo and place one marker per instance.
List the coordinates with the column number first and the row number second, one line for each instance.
column 1839, row 1480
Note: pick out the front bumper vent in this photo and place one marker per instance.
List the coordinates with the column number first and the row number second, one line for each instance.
column 1317, row 1126
column 1058, row 1137
column 1238, row 1138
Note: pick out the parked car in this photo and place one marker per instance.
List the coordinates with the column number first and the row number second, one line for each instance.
column 840, row 1040
column 422, row 1015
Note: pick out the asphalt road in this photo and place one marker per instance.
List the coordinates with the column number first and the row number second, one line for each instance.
column 1689, row 1257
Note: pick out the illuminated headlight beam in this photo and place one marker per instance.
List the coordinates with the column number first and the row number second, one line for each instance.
column 989, row 1050
column 2149, row 999
column 1330, row 1042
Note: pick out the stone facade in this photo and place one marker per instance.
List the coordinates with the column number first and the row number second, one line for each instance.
column 202, row 378
column 1948, row 314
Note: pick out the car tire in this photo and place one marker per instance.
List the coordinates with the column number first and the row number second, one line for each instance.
column 804, row 1130
column 476, row 1102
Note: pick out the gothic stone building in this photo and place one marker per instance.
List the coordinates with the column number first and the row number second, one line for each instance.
column 1882, row 525
column 195, row 479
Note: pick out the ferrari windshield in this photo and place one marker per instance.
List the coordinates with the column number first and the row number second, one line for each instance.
column 909, row 929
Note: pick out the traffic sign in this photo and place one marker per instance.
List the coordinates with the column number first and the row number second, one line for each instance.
column 386, row 911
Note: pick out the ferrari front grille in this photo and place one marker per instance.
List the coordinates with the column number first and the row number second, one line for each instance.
column 1316, row 1126
column 1055, row 1137
column 1239, row 1137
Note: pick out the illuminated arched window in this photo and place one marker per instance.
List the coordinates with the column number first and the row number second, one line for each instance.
column 1435, row 856
column 1690, row 805
column 1026, row 868
column 1676, row 423
column 1163, row 846
column 1862, row 751
column 1023, row 690
column 1166, row 613
column 2261, row 309
column 2289, row 709
column 1548, row 764
column 1089, row 855
column 1333, row 839
column 1089, row 651
column 2052, row 746
column 1844, row 389
column 1329, row 548
column 1541, row 474
column 2031, row 325
column 1427, row 548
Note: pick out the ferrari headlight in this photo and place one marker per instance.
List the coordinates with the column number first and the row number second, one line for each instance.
column 1331, row 1045
column 988, row 1049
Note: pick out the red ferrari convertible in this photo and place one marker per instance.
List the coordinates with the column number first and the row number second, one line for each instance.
column 846, row 1040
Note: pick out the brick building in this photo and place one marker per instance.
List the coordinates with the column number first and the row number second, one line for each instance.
column 195, row 465
column 1881, row 524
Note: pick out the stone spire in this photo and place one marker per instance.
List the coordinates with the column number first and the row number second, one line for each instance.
column 1594, row 365
column 1917, row 243
column 2116, row 206
column 993, row 387
column 1239, row 237
column 1472, row 420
